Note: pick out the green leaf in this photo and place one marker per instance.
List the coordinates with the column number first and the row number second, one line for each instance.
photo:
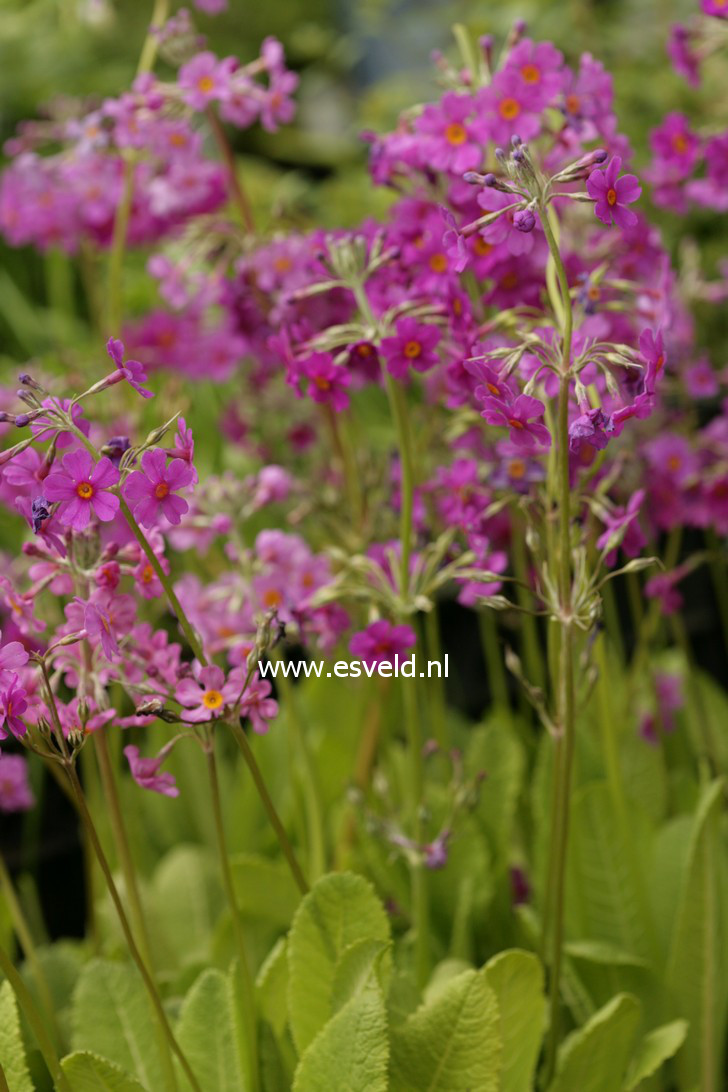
column 517, row 981
column 12, row 1050
column 112, row 1016
column 352, row 1050
column 596, row 1056
column 207, row 1033
column 452, row 1044
column 340, row 910
column 89, row 1072
column 264, row 888
column 186, row 901
column 656, row 1047
column 696, row 973
column 271, row 988
column 354, row 968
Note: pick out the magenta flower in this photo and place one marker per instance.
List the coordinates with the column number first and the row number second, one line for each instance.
column 510, row 105
column 257, row 705
column 97, row 623
column 592, row 427
column 12, row 657
column 412, row 345
column 381, row 641
column 205, row 696
column 131, row 370
column 685, row 59
column 151, row 491
column 675, row 145
column 539, row 67
column 612, row 194
column 203, row 79
column 519, row 417
column 12, row 706
column 655, row 357
column 15, row 791
column 145, row 771
column 454, row 142
column 633, row 540
column 718, row 8
column 82, row 488
column 327, row 382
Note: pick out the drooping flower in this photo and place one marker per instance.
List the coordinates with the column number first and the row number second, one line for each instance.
column 622, row 525
column 15, row 791
column 151, row 491
column 83, row 489
column 593, row 427
column 132, row 370
column 519, row 416
column 257, row 704
column 145, row 771
column 97, row 623
column 13, row 703
column 612, row 194
column 381, row 641
column 654, row 355
column 411, row 346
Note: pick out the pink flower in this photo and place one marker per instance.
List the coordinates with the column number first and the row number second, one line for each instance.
column 412, row 345
column 151, row 491
column 257, row 705
column 455, row 143
column 12, row 657
column 205, row 696
column 654, row 355
column 145, row 771
column 131, row 370
column 510, row 106
column 15, row 791
column 518, row 416
column 327, row 381
column 203, row 79
column 539, row 68
column 612, row 194
column 675, row 146
column 97, row 623
column 83, row 487
column 381, row 641
column 718, row 8
column 12, row 706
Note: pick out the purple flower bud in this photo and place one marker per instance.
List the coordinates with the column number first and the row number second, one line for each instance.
column 489, row 179
column 500, row 155
column 116, row 447
column 524, row 220
column 519, row 155
column 3, row 417
column 22, row 420
column 519, row 27
column 599, row 155
column 39, row 510
column 516, row 140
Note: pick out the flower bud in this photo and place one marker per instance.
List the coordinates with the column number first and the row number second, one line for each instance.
column 524, row 220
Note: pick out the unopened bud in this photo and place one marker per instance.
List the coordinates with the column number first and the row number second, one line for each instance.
column 524, row 220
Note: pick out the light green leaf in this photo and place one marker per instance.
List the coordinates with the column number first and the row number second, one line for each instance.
column 89, row 1072
column 656, row 1047
column 271, row 987
column 207, row 1033
column 264, row 888
column 186, row 902
column 452, row 1044
column 517, row 981
column 112, row 1016
column 355, row 967
column 340, row 910
column 12, row 1050
column 352, row 1050
column 696, row 975
column 595, row 1057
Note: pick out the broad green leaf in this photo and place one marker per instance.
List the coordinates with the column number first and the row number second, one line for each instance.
column 112, row 1016
column 517, row 981
column 496, row 749
column 599, row 951
column 186, row 901
column 264, row 888
column 355, row 967
column 656, row 1047
column 352, row 1050
column 12, row 1050
column 271, row 987
column 340, row 910
column 696, row 974
column 207, row 1033
column 595, row 1058
column 89, row 1072
column 452, row 1044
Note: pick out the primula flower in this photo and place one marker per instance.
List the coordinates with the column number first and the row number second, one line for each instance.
column 151, row 491
column 623, row 520
column 412, row 345
column 675, row 146
column 13, row 704
column 612, row 194
column 203, row 79
column 13, row 656
column 519, row 416
column 381, row 641
column 455, row 143
column 205, row 696
column 327, row 382
column 97, row 623
column 685, row 60
column 718, row 8
column 592, row 427
column 257, row 705
column 131, row 370
column 15, row 791
column 510, row 106
column 539, row 67
column 653, row 353
column 82, row 488
column 145, row 771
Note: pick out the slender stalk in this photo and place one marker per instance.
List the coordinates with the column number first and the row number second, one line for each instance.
column 36, row 1022
column 237, row 193
column 250, row 1078
column 420, row 905
column 532, row 659
column 493, row 655
column 28, row 948
column 273, row 816
column 398, row 406
column 149, row 982
column 437, row 685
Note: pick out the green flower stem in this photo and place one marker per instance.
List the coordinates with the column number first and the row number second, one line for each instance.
column 273, row 816
column 28, row 948
column 532, row 659
column 250, row 1023
column 564, row 682
column 493, row 656
column 345, row 452
column 237, row 193
column 420, row 903
column 36, row 1021
column 136, row 955
column 398, row 405
column 437, row 685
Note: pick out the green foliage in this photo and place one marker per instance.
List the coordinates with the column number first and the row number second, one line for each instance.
column 12, row 1050
column 656, row 1047
column 596, row 1057
column 207, row 1034
column 88, row 1072
column 517, row 980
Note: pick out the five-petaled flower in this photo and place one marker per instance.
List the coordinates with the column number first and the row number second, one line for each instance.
column 519, row 416
column 411, row 346
column 612, row 194
column 151, row 491
column 205, row 695
column 83, row 489
column 381, row 641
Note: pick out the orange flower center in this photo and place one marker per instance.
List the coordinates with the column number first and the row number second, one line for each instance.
column 531, row 73
column 492, row 388
column 674, row 462
column 206, row 83
column 212, row 699
column 161, row 490
column 412, row 350
column 438, row 263
column 680, row 142
column 509, row 109
column 573, row 102
column 612, row 196
column 364, row 350
column 147, row 574
column 660, row 362
column 515, row 424
column 282, row 265
column 509, row 280
column 482, row 246
column 272, row 598
column 85, row 490
column 456, row 133
column 322, row 382
column 178, row 140
column 516, row 468
column 593, row 293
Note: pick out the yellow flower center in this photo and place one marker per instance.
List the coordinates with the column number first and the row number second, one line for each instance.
column 212, row 699
column 531, row 73
column 509, row 109
column 85, row 490
column 612, row 196
column 456, row 133
column 206, row 83
column 161, row 490
column 412, row 350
